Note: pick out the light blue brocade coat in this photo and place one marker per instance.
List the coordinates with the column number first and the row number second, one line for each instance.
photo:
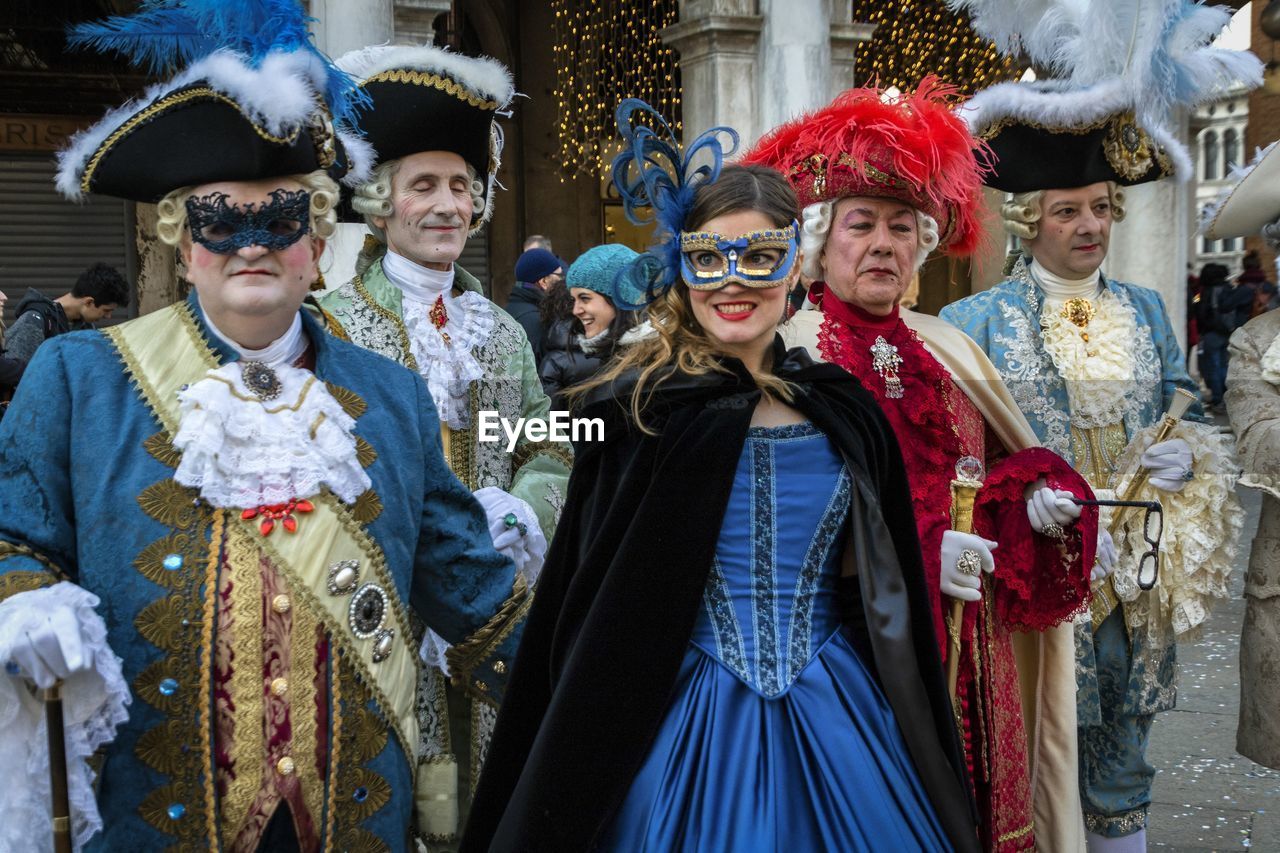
column 73, row 466
column 1005, row 322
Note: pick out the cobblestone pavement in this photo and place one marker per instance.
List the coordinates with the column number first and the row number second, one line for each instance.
column 1207, row 797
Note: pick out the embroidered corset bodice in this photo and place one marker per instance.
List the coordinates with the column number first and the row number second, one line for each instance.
column 769, row 604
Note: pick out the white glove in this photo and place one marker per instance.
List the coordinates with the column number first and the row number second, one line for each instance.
column 1106, row 556
column 953, row 581
column 53, row 649
column 1049, row 506
column 526, row 549
column 1169, row 463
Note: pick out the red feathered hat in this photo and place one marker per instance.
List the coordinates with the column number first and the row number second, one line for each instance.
column 913, row 149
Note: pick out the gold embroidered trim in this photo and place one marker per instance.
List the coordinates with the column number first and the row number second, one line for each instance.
column 435, row 81
column 468, row 654
column 351, row 402
column 174, row 99
column 528, row 450
column 397, row 323
column 162, row 450
column 170, row 503
column 1015, row 834
column 12, row 583
column 1116, row 825
column 365, row 454
column 363, row 737
column 367, row 507
column 247, row 751
column 206, row 672
column 305, row 633
column 306, row 389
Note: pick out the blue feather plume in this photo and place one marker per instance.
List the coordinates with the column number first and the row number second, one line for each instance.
column 657, row 183
column 165, row 35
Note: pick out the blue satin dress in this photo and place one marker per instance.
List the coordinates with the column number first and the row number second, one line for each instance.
column 777, row 737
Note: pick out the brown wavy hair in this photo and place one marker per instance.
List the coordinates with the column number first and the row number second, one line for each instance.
column 679, row 341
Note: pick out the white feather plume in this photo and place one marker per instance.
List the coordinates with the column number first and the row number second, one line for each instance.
column 482, row 75
column 1157, row 52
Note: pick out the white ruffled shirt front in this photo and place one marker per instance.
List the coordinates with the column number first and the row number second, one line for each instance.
column 448, row 365
column 1099, row 372
column 243, row 452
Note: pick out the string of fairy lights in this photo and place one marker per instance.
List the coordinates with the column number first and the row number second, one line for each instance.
column 604, row 51
column 607, row 50
column 914, row 38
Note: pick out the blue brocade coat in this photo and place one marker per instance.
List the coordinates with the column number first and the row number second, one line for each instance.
column 1005, row 323
column 87, row 495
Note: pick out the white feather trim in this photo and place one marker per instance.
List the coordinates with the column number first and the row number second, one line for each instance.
column 482, row 75
column 279, row 94
column 361, row 157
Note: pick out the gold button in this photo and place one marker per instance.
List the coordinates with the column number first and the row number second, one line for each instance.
column 279, row 686
column 285, row 766
column 500, row 668
column 280, row 603
column 482, row 687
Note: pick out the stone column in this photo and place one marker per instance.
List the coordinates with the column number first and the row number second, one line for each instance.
column 718, row 43
column 415, row 20
column 1150, row 246
column 341, row 26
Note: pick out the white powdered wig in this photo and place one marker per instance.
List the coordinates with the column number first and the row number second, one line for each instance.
column 482, row 75
column 815, row 227
column 279, row 94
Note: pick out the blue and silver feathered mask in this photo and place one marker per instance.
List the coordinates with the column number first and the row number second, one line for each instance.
column 657, row 183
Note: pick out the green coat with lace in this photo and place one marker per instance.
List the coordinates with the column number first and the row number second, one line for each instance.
column 369, row 309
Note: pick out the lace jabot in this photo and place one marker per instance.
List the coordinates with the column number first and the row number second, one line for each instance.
column 1096, row 361
column 444, row 333
column 241, row 451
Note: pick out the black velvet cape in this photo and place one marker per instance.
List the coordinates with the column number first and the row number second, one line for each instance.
column 619, row 594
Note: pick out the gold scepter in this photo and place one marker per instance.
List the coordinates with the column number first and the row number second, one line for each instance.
column 1105, row 600
column 964, row 490
column 52, row 697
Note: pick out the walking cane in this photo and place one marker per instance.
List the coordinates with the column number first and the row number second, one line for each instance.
column 964, row 490
column 52, row 697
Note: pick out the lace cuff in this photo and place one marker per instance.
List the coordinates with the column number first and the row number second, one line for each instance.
column 1201, row 528
column 93, row 707
column 1038, row 582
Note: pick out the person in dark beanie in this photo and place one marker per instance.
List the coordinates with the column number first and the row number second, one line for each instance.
column 1218, row 313
column 99, row 291
column 576, row 350
column 536, row 270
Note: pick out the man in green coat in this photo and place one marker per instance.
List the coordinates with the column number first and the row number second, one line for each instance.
column 432, row 122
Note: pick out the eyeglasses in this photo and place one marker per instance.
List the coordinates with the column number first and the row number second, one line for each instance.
column 1152, row 528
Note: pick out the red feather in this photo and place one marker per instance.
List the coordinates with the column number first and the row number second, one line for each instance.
column 913, row 149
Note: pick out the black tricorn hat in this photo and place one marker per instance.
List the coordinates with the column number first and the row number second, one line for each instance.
column 1045, row 136
column 222, row 119
column 431, row 99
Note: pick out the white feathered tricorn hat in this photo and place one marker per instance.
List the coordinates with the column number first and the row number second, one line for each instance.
column 1121, row 69
column 1251, row 202
column 427, row 98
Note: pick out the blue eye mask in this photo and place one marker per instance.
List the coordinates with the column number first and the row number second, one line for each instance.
column 756, row 259
column 226, row 228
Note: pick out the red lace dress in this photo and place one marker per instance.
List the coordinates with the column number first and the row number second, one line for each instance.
column 1037, row 583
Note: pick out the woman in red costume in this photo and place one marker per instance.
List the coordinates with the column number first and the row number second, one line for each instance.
column 883, row 182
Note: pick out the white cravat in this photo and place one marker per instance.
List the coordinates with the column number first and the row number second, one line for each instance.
column 286, row 349
column 1058, row 289
column 416, row 281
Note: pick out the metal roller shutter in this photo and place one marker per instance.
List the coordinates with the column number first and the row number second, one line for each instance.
column 46, row 241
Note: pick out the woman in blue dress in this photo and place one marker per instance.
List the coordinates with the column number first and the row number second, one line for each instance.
column 730, row 648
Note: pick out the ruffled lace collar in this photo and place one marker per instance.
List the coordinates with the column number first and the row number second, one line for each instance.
column 444, row 333
column 243, row 451
column 1095, row 360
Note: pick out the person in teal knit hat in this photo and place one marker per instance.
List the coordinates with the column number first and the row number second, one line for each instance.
column 577, row 348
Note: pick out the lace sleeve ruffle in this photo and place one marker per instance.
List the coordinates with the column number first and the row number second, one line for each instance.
column 1201, row 528
column 93, row 707
column 1038, row 581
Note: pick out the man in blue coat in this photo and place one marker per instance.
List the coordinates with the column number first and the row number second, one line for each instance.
column 230, row 515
